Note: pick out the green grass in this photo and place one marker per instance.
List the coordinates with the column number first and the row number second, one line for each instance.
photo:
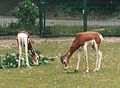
column 52, row 75
column 53, row 31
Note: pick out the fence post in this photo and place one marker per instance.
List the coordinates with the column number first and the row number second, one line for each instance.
column 85, row 15
column 41, row 17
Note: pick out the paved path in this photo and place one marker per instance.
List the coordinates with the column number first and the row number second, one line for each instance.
column 52, row 22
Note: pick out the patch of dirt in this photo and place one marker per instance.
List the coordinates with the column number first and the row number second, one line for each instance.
column 8, row 41
column 112, row 39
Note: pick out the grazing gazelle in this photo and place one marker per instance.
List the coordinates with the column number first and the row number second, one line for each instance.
column 23, row 39
column 81, row 41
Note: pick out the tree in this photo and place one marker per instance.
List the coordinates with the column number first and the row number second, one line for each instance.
column 26, row 12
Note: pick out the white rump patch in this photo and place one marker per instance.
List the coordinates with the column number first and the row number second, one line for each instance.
column 22, row 37
column 101, row 37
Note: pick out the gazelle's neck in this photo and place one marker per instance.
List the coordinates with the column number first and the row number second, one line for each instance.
column 71, row 51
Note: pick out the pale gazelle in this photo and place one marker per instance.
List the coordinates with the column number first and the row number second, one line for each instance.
column 81, row 41
column 23, row 39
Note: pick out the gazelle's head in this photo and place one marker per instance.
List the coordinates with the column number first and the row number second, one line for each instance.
column 64, row 61
column 35, row 57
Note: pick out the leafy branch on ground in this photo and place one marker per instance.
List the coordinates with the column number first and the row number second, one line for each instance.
column 10, row 60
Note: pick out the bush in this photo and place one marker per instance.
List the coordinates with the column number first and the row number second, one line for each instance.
column 27, row 13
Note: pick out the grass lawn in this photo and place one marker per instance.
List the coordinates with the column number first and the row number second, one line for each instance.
column 52, row 76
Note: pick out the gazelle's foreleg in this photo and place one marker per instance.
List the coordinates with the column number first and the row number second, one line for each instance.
column 78, row 62
column 26, row 52
column 86, row 56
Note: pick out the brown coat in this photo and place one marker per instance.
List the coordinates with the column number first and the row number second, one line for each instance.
column 80, row 40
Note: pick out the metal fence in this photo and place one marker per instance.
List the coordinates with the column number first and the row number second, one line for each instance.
column 102, row 16
column 68, row 19
column 61, row 21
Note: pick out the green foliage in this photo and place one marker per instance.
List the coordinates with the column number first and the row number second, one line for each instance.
column 70, row 8
column 10, row 60
column 44, row 60
column 14, row 28
column 26, row 12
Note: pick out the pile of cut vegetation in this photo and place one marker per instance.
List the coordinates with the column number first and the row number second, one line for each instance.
column 10, row 60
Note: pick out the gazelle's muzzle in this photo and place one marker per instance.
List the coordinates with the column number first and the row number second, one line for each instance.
column 64, row 62
column 35, row 58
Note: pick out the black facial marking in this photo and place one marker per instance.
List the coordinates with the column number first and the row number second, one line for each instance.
column 33, row 53
column 62, row 59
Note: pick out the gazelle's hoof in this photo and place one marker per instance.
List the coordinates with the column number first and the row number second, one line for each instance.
column 66, row 71
column 95, row 69
column 29, row 66
column 76, row 70
column 87, row 71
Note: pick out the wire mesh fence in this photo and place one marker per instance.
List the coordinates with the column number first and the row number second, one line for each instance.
column 103, row 16
column 65, row 18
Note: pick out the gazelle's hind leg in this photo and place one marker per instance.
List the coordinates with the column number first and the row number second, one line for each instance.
column 78, row 62
column 26, row 52
column 98, row 57
column 20, row 51
column 86, row 56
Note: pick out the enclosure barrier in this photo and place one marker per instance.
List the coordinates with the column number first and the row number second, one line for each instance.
column 66, row 18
